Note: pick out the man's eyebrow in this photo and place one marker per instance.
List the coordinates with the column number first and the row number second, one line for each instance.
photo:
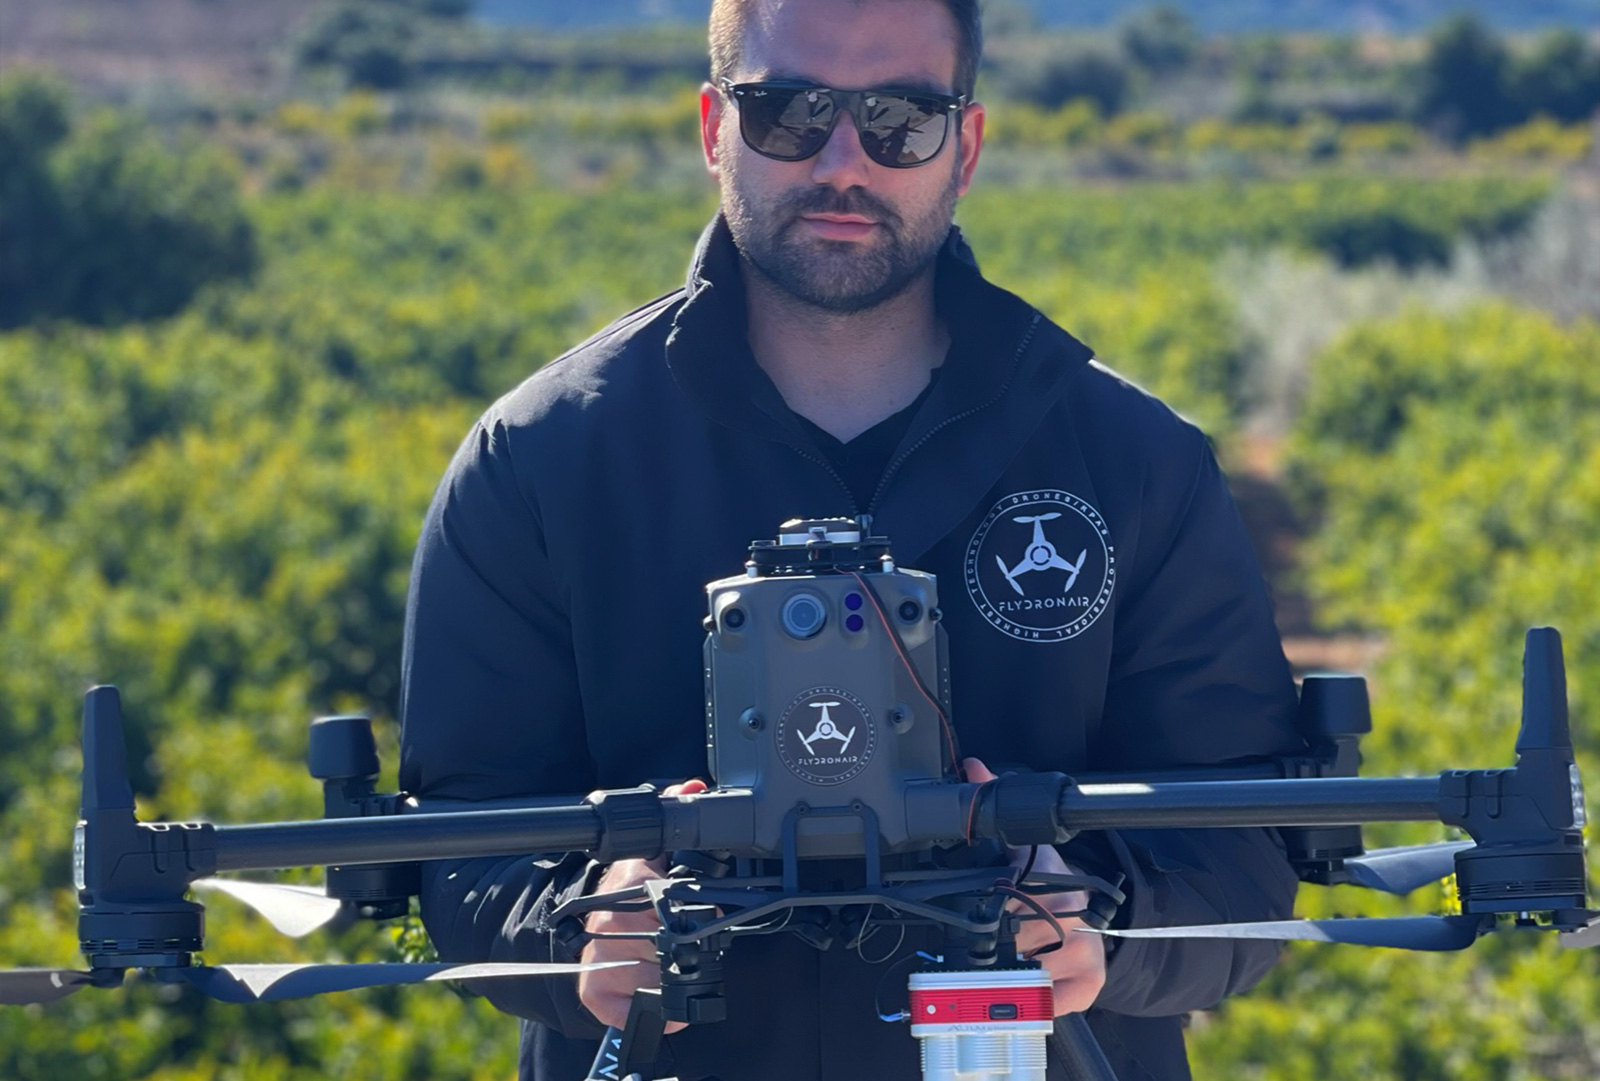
column 914, row 82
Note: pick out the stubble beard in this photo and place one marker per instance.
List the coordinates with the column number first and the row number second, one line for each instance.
column 840, row 277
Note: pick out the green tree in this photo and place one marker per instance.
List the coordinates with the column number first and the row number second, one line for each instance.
column 101, row 222
column 1051, row 79
column 1559, row 78
column 1461, row 84
column 1161, row 40
column 33, row 123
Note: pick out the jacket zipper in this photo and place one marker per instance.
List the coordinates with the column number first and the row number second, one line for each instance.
column 850, row 497
column 1027, row 339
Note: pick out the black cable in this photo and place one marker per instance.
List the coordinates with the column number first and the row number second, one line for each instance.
column 1033, row 854
column 1044, row 914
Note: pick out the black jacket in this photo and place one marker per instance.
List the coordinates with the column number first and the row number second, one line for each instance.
column 553, row 641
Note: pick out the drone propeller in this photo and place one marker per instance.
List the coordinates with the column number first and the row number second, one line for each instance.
column 1585, row 937
column 22, row 986
column 294, row 910
column 1402, row 870
column 1436, row 933
column 271, row 983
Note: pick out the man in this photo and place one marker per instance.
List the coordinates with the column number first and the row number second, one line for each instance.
column 836, row 350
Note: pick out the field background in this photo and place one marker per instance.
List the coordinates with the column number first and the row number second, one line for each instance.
column 261, row 265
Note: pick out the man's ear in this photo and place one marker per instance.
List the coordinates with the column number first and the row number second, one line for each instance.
column 711, row 106
column 972, row 118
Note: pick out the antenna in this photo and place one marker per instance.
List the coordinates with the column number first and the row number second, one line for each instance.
column 1544, row 695
column 105, row 753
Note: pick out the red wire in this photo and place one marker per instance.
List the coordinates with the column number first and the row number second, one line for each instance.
column 916, row 680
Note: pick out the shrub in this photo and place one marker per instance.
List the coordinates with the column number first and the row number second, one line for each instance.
column 102, row 223
column 1051, row 80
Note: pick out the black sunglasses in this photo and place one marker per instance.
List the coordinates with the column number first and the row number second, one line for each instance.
column 792, row 121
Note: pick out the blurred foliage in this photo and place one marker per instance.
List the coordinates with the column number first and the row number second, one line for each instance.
column 216, row 509
column 371, row 43
column 1160, row 39
column 99, row 222
column 1454, row 464
column 1051, row 77
column 1470, row 83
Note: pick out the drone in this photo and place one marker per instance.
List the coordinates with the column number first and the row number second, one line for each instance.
column 829, row 739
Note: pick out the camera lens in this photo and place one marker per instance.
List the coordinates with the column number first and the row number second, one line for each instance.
column 803, row 615
column 910, row 611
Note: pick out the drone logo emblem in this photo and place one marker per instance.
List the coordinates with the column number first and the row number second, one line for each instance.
column 826, row 729
column 817, row 744
column 1041, row 555
column 1047, row 593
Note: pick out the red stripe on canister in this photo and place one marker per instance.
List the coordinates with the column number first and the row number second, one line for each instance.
column 968, row 1005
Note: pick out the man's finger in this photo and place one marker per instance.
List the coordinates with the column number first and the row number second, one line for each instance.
column 976, row 771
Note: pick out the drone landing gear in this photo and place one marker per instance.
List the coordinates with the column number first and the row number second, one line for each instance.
column 630, row 1054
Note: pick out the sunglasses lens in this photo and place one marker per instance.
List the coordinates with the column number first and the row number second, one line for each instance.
column 785, row 123
column 901, row 131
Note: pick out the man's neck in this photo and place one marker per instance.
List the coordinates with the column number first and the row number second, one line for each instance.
column 845, row 373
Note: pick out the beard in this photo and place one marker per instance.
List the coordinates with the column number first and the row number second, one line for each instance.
column 841, row 277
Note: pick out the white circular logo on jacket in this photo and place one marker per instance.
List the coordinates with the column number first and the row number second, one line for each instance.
column 1041, row 566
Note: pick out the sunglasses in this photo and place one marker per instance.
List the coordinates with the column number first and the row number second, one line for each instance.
column 792, row 121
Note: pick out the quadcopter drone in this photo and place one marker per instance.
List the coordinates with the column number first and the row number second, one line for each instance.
column 829, row 738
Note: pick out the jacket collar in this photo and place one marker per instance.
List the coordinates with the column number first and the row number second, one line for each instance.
column 994, row 344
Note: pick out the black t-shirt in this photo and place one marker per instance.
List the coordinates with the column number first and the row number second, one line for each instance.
column 862, row 460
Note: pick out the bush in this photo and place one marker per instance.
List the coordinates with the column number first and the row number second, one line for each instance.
column 102, row 224
column 1051, row 80
column 1460, row 89
column 33, row 123
column 1361, row 238
column 1162, row 39
column 367, row 42
column 1560, row 79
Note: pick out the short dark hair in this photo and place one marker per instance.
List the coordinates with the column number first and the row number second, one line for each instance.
column 730, row 18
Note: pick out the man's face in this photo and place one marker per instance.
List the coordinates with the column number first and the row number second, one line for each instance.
column 838, row 231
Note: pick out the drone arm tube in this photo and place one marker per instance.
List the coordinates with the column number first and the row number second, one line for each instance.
column 1198, row 677
column 490, row 708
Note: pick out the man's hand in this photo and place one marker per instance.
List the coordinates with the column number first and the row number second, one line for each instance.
column 607, row 992
column 1078, row 969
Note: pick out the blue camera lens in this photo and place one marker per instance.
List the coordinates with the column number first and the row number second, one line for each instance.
column 803, row 615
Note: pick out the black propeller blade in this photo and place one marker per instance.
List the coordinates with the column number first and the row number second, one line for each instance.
column 293, row 910
column 272, row 983
column 1402, row 870
column 1402, row 933
column 23, row 986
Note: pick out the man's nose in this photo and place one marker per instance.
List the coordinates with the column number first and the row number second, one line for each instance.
column 842, row 162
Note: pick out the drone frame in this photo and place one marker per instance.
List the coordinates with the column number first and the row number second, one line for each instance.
column 1525, row 821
